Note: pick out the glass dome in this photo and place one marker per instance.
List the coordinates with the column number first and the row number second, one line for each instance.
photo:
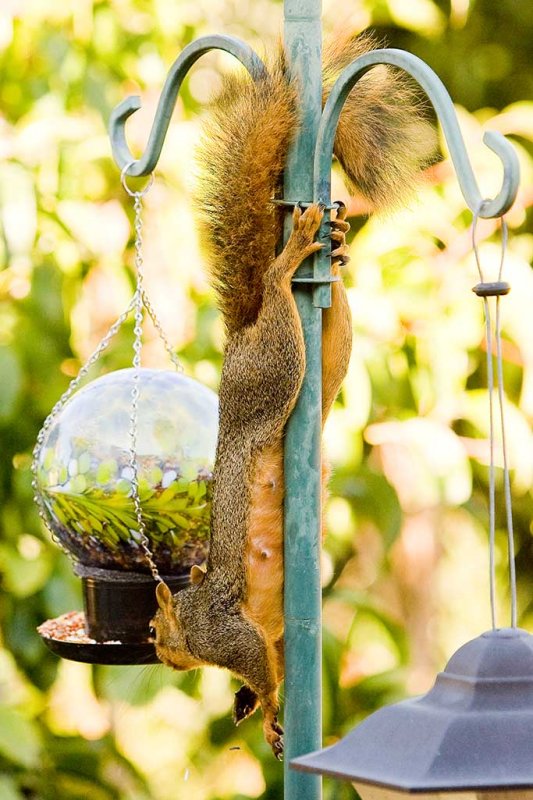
column 84, row 477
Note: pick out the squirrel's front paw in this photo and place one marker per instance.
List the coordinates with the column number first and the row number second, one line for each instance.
column 308, row 221
column 305, row 226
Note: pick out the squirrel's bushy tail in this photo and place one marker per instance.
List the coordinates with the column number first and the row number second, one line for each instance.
column 382, row 143
column 242, row 154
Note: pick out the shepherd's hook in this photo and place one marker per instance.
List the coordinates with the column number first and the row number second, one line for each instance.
column 441, row 101
column 117, row 123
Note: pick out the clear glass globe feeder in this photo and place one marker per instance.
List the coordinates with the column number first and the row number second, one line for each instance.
column 84, row 475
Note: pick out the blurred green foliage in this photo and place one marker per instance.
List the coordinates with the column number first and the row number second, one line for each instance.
column 405, row 562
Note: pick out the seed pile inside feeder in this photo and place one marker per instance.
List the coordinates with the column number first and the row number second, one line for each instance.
column 85, row 476
column 70, row 627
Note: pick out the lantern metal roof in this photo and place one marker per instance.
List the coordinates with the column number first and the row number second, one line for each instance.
column 472, row 731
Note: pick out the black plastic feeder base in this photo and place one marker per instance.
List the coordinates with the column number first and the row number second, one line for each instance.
column 118, row 610
column 98, row 653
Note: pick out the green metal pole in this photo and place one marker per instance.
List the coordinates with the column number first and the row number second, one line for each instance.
column 303, row 690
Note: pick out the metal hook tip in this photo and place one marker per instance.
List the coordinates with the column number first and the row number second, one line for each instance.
column 127, row 107
column 505, row 151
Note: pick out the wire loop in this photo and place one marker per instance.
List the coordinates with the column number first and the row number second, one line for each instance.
column 131, row 192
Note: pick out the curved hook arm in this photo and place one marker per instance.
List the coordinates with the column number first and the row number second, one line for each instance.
column 178, row 71
column 440, row 99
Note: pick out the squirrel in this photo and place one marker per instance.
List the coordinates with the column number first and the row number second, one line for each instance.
column 231, row 615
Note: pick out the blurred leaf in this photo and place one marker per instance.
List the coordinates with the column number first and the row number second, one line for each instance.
column 21, row 576
column 11, row 379
column 363, row 602
column 424, row 460
column 82, row 761
column 372, row 497
column 8, row 789
column 135, row 685
column 332, row 650
column 19, row 738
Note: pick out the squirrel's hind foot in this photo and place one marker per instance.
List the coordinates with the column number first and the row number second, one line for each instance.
column 271, row 728
column 274, row 736
column 339, row 228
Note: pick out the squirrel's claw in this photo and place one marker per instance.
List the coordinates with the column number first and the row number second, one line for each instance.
column 341, row 253
column 339, row 229
column 340, row 225
column 277, row 746
column 277, row 727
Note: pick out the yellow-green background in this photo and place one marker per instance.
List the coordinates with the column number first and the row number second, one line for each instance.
column 405, row 563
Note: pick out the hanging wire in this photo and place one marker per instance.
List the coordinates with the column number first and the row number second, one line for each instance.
column 506, row 478
column 486, row 290
column 138, row 303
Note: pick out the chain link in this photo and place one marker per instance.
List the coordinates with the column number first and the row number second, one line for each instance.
column 159, row 328
column 73, row 385
column 139, row 301
column 135, row 392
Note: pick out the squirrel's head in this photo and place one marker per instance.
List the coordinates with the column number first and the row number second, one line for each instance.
column 170, row 637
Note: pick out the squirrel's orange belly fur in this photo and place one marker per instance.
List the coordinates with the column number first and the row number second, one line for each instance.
column 264, row 547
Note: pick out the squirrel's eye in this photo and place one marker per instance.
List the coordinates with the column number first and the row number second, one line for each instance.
column 152, row 631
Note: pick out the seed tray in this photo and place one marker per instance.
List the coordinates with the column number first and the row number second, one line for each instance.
column 66, row 637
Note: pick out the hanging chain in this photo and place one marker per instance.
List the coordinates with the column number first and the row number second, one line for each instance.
column 73, row 385
column 139, row 300
column 159, row 328
column 486, row 290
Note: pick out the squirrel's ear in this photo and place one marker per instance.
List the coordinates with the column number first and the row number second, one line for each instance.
column 163, row 595
column 197, row 574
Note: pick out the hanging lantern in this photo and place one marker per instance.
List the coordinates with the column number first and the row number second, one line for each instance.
column 469, row 738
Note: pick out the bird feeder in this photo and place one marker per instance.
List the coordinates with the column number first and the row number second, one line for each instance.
column 122, row 472
column 83, row 484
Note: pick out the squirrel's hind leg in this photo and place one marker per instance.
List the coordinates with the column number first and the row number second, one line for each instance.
column 336, row 320
column 272, row 730
column 300, row 245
